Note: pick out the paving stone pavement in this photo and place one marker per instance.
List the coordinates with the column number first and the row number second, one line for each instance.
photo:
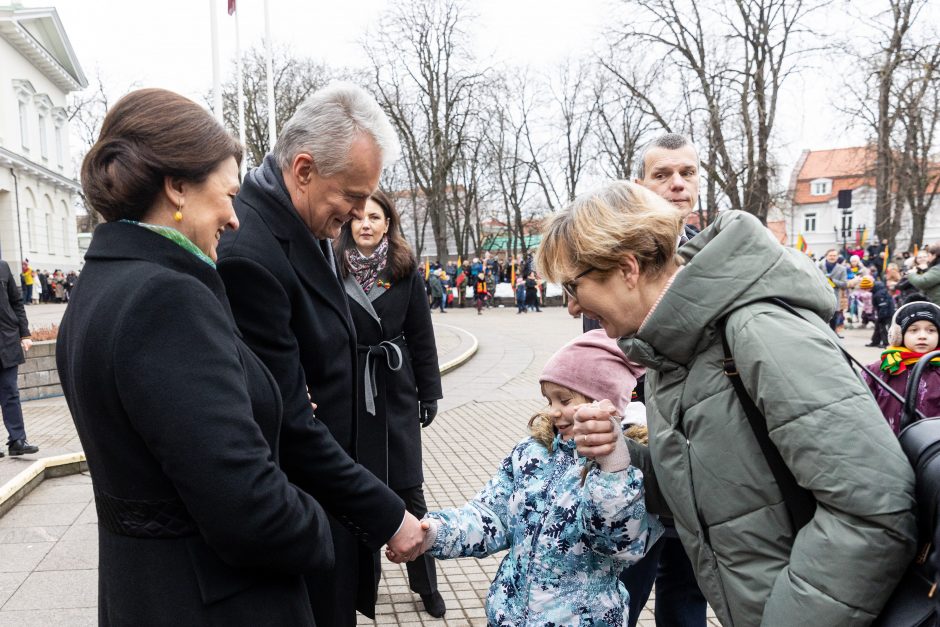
column 48, row 542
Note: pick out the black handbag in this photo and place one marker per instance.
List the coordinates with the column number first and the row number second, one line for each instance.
column 915, row 601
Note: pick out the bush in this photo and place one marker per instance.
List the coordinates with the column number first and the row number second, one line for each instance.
column 40, row 334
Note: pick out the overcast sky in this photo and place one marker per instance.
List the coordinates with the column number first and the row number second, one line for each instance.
column 167, row 44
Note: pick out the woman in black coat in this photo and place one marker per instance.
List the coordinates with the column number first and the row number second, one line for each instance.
column 401, row 380
column 197, row 524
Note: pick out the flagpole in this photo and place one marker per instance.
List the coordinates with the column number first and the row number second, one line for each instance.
column 216, row 74
column 241, row 90
column 269, row 67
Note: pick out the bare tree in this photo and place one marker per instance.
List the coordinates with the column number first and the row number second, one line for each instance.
column 424, row 81
column 576, row 109
column 732, row 60
column 294, row 79
column 519, row 175
column 918, row 105
column 891, row 96
column 620, row 127
column 86, row 111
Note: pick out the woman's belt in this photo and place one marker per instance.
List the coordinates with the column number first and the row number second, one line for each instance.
column 151, row 519
column 391, row 351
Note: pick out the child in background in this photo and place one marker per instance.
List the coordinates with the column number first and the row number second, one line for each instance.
column 862, row 294
column 882, row 304
column 570, row 527
column 480, row 293
column 520, row 296
column 914, row 332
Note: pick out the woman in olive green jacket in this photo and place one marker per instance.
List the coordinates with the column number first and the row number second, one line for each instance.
column 615, row 253
column 929, row 281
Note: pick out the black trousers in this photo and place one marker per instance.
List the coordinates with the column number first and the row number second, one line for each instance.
column 879, row 336
column 10, row 404
column 422, row 574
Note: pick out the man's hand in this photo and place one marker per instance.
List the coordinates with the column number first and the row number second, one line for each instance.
column 27, row 344
column 426, row 412
column 594, row 431
column 408, row 543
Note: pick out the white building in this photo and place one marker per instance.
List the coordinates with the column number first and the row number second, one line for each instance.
column 818, row 178
column 38, row 68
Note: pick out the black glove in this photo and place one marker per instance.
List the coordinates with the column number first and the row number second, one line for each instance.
column 426, row 412
column 903, row 284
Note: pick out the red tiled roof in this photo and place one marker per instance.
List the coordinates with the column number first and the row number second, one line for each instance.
column 849, row 168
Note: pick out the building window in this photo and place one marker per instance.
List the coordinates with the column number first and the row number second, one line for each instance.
column 49, row 234
column 59, row 148
column 24, row 125
column 65, row 238
column 846, row 223
column 30, row 230
column 43, row 138
column 809, row 223
column 820, row 187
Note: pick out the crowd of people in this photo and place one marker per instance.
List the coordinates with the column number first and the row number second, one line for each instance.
column 449, row 285
column 42, row 286
column 869, row 289
column 250, row 365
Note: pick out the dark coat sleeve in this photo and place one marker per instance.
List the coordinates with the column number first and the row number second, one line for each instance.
column 183, row 386
column 419, row 333
column 309, row 454
column 16, row 302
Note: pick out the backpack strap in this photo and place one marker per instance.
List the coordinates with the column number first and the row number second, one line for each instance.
column 800, row 502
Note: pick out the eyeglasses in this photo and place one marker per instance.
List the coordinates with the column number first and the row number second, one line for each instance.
column 571, row 287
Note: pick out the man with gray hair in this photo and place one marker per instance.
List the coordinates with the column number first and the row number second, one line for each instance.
column 669, row 166
column 286, row 298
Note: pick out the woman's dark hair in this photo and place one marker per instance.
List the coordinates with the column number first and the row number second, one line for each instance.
column 401, row 261
column 148, row 135
column 934, row 249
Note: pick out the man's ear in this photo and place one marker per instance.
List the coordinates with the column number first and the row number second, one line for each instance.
column 303, row 168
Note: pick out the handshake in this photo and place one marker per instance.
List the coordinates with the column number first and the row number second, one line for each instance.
column 414, row 537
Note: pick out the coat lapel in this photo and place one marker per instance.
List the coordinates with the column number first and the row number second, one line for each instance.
column 358, row 295
column 313, row 268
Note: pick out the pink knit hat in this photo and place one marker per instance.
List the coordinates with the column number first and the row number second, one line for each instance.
column 593, row 365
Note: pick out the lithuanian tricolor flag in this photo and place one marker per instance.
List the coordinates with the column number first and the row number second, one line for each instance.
column 427, row 268
column 801, row 244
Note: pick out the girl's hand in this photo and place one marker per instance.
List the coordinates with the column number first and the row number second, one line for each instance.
column 594, row 431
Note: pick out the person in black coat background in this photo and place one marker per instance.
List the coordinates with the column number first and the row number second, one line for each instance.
column 197, row 524
column 289, row 303
column 398, row 367
column 15, row 342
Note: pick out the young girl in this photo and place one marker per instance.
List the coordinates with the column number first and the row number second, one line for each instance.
column 914, row 332
column 570, row 527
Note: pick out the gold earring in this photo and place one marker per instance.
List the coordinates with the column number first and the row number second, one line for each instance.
column 178, row 216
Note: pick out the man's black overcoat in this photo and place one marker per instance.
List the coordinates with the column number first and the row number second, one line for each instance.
column 290, row 305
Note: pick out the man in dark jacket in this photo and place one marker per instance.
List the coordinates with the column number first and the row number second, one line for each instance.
column 14, row 343
column 282, row 282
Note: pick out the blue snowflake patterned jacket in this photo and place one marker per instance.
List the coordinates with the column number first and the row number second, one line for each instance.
column 567, row 542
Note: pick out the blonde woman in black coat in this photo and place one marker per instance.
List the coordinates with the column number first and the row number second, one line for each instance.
column 401, row 381
column 197, row 524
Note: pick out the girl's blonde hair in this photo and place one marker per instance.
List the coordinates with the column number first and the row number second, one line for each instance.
column 598, row 228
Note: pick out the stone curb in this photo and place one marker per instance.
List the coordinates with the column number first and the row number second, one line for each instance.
column 16, row 489
column 465, row 355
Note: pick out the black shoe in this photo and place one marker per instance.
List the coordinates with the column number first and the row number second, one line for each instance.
column 434, row 604
column 21, row 447
column 871, row 344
